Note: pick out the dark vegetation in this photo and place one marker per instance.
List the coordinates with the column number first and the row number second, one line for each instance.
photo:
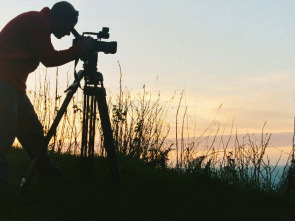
column 147, row 194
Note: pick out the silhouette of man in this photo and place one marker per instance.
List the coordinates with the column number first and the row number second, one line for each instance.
column 24, row 43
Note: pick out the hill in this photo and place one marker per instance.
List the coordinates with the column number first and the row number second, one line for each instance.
column 147, row 194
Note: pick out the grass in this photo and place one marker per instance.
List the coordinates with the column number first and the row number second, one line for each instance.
column 213, row 177
column 141, row 130
column 147, row 194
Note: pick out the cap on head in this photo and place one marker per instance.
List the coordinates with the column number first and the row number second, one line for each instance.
column 65, row 17
column 64, row 10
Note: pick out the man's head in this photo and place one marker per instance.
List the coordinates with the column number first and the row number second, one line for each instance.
column 65, row 17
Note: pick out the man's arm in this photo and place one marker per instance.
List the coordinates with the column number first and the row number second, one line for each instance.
column 43, row 49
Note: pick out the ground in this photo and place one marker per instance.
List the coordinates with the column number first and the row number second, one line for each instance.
column 146, row 194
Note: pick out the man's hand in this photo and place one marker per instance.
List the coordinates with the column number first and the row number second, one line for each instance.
column 87, row 44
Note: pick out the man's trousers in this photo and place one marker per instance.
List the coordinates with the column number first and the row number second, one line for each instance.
column 18, row 119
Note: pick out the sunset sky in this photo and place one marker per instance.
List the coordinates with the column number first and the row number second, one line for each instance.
column 236, row 53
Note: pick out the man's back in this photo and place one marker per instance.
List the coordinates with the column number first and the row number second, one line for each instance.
column 25, row 42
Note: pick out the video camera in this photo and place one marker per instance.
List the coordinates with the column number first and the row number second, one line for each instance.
column 101, row 46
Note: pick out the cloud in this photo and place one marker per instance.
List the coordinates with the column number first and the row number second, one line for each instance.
column 271, row 78
column 252, row 100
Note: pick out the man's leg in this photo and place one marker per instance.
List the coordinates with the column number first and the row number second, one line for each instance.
column 31, row 136
column 30, row 131
column 9, row 100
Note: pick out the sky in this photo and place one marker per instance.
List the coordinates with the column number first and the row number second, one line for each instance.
column 235, row 53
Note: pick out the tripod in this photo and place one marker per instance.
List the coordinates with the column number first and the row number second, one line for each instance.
column 94, row 96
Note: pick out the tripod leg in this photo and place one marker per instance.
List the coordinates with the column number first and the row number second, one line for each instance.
column 72, row 90
column 88, row 133
column 92, row 129
column 108, row 137
column 84, row 134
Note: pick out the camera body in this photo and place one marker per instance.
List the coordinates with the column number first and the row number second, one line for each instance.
column 100, row 46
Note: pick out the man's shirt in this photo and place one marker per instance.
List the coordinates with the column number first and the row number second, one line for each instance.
column 25, row 42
